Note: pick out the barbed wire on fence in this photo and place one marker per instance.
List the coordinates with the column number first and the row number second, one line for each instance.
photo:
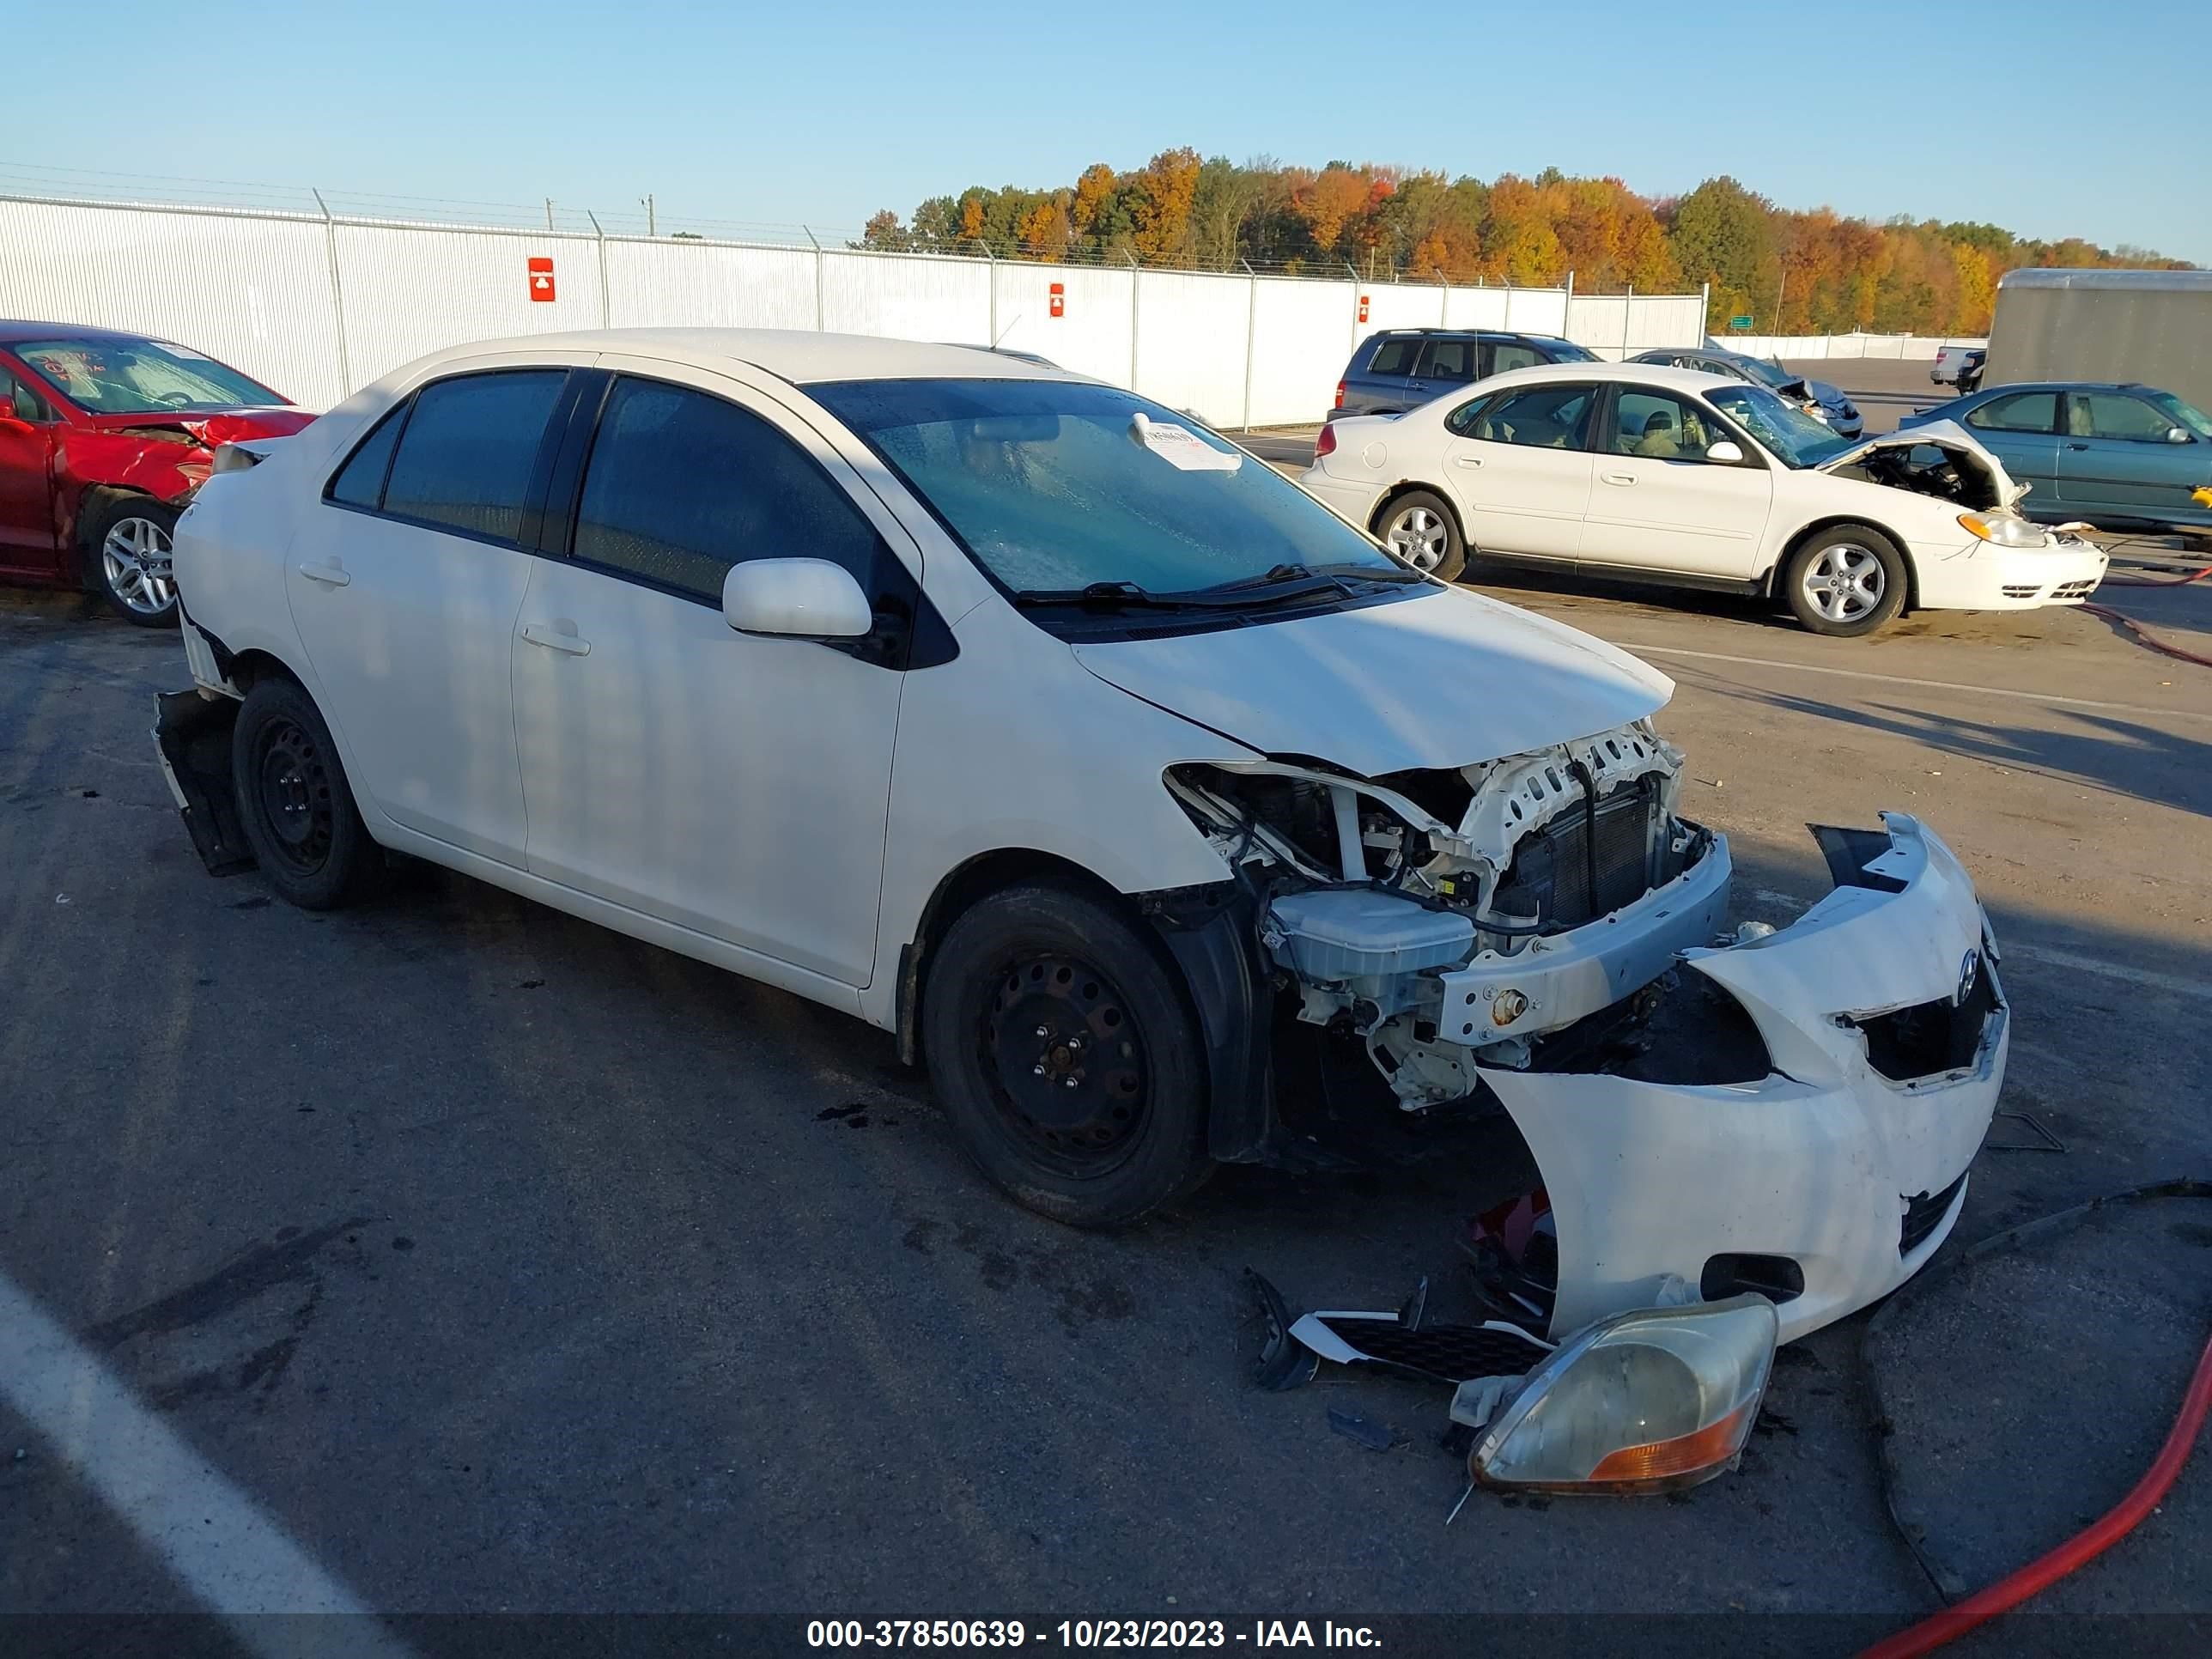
column 645, row 219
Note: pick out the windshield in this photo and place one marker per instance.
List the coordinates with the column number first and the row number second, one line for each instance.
column 2185, row 414
column 141, row 377
column 1766, row 373
column 1567, row 351
column 1056, row 486
column 1797, row 439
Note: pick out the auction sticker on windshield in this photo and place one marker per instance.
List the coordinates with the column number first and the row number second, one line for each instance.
column 1180, row 446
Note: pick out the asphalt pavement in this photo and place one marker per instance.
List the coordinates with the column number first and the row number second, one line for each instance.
column 499, row 1263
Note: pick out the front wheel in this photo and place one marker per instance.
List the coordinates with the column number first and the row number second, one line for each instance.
column 1847, row 580
column 129, row 540
column 294, row 799
column 1420, row 530
column 1067, row 1058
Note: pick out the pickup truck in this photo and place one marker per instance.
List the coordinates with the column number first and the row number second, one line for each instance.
column 1960, row 366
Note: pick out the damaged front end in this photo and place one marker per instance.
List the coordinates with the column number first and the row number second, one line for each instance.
column 1787, row 1114
column 1443, row 919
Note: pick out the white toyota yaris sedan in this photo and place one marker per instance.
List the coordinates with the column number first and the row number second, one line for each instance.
column 1028, row 720
column 1661, row 474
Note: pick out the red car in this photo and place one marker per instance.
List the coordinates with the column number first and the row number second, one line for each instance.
column 103, row 439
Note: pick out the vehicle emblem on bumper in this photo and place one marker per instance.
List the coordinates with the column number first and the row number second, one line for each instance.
column 1969, row 966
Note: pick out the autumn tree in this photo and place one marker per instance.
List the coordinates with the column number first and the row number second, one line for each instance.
column 1164, row 193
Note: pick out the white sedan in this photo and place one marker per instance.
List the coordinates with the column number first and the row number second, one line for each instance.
column 1031, row 722
column 1653, row 473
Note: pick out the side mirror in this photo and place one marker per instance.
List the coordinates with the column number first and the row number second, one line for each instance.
column 2175, row 435
column 796, row 598
column 1726, row 452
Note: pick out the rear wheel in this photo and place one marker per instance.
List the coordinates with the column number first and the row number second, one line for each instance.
column 129, row 541
column 1846, row 580
column 1066, row 1056
column 293, row 798
column 1419, row 529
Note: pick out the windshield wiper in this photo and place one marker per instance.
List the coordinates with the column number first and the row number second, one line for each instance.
column 1113, row 596
column 1400, row 575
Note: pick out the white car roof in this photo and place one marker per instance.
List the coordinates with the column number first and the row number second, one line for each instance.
column 800, row 356
column 1661, row 374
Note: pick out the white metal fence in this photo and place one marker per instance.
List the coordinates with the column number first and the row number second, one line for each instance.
column 1921, row 348
column 317, row 306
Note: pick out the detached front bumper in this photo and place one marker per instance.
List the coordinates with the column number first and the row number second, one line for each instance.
column 1853, row 1176
column 1982, row 576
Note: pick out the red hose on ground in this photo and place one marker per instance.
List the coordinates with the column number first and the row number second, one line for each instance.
column 2160, row 646
column 1933, row 1631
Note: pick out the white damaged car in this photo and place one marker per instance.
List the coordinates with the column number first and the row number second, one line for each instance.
column 1029, row 720
column 1653, row 473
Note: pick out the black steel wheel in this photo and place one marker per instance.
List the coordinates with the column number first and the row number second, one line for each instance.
column 1061, row 1043
column 294, row 800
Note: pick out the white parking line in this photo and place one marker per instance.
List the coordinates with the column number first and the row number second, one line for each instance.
column 1900, row 679
column 218, row 1542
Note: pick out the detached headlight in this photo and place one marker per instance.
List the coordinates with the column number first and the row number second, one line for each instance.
column 1645, row 1401
column 2003, row 529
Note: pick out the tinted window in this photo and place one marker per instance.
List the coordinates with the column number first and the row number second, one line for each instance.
column 2114, row 414
column 1055, row 484
column 1396, row 356
column 1540, row 418
column 465, row 457
column 681, row 486
column 1511, row 354
column 360, row 481
column 2024, row 411
column 1448, row 360
column 1660, row 426
column 1567, row 351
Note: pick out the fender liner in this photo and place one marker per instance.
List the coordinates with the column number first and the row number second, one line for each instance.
column 1212, row 932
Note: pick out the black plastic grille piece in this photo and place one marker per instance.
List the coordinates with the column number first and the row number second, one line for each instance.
column 1923, row 1214
column 1451, row 1353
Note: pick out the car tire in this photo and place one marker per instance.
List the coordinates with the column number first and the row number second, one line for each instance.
column 127, row 546
column 1062, row 1046
column 1419, row 528
column 293, row 798
column 1846, row 580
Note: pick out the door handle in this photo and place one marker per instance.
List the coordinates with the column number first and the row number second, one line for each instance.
column 1618, row 478
column 557, row 636
column 2077, row 446
column 1467, row 460
column 329, row 576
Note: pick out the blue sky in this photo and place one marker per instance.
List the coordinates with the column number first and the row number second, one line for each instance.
column 2059, row 116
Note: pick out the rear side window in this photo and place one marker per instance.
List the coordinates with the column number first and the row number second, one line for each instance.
column 2024, row 411
column 1540, row 417
column 1511, row 354
column 682, row 485
column 1394, row 357
column 1448, row 360
column 360, row 481
column 469, row 448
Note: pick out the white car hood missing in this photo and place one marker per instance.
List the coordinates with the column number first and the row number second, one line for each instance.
column 1949, row 436
column 1445, row 679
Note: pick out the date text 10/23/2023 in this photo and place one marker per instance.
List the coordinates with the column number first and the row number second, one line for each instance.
column 1086, row 1633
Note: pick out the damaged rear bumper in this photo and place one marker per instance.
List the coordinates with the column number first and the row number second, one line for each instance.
column 1853, row 1176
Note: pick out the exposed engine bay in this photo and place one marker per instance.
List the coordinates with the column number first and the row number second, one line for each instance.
column 1927, row 469
column 1451, row 916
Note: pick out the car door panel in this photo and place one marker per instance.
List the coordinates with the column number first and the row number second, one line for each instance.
column 2113, row 458
column 735, row 786
column 409, row 631
column 27, row 479
column 404, row 584
column 1657, row 504
column 2020, row 429
column 1519, row 475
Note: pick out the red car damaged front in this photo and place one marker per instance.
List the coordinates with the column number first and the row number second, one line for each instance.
column 104, row 437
